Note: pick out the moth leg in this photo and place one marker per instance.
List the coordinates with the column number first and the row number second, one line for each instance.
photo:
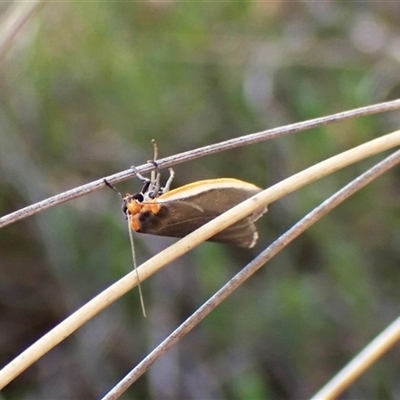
column 146, row 181
column 167, row 186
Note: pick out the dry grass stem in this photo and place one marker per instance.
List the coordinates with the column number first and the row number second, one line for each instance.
column 193, row 154
column 386, row 340
column 365, row 359
column 13, row 21
column 115, row 291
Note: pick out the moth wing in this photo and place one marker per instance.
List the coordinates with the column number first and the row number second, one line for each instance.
column 181, row 217
column 243, row 233
column 172, row 219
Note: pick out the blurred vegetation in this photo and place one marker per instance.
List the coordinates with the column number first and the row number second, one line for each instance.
column 84, row 90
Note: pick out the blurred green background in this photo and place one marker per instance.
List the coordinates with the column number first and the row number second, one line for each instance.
column 84, row 89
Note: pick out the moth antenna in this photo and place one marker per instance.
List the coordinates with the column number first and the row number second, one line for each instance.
column 112, row 187
column 135, row 264
column 128, row 215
